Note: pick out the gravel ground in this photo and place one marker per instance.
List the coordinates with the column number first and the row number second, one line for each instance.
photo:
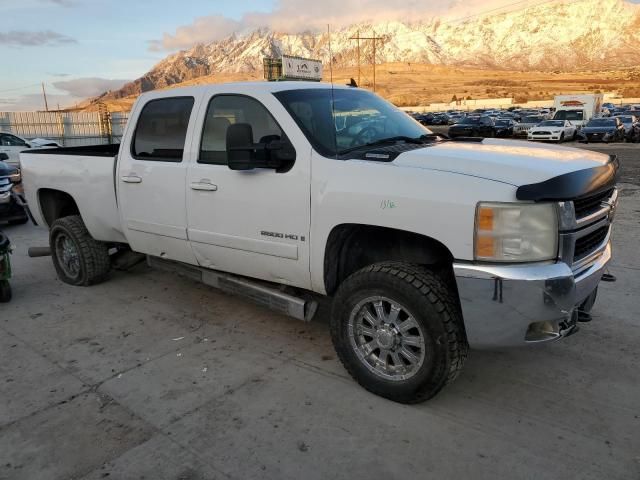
column 151, row 376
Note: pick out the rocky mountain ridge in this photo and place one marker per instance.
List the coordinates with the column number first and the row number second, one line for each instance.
column 563, row 35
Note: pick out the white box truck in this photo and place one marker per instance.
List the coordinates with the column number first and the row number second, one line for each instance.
column 578, row 109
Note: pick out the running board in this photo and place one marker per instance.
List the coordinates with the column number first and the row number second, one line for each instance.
column 235, row 285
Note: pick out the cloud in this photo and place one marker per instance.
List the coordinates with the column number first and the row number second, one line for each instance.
column 88, row 87
column 62, row 3
column 44, row 38
column 298, row 16
column 34, row 101
column 202, row 30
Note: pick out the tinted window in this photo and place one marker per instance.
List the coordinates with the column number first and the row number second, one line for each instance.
column 225, row 110
column 601, row 122
column 162, row 129
column 470, row 121
column 7, row 140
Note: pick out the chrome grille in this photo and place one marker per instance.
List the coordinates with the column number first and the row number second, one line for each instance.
column 588, row 205
column 586, row 228
column 590, row 243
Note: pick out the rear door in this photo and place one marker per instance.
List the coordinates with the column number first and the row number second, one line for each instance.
column 253, row 223
column 151, row 178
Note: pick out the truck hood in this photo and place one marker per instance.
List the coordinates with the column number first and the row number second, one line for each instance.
column 507, row 161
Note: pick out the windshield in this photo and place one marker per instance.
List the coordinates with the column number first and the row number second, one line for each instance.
column 601, row 122
column 502, row 123
column 361, row 117
column 552, row 123
column 469, row 121
column 626, row 119
column 569, row 115
column 531, row 119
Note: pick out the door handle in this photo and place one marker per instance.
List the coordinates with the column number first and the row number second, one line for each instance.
column 204, row 186
column 131, row 179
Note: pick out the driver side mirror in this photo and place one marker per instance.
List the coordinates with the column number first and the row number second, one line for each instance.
column 272, row 152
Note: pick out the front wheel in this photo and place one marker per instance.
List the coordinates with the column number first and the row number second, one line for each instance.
column 398, row 331
column 561, row 137
column 78, row 258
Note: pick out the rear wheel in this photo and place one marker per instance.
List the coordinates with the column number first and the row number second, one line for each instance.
column 78, row 258
column 398, row 331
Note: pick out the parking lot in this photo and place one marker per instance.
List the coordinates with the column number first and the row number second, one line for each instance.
column 152, row 376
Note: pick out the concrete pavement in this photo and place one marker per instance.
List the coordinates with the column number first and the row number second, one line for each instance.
column 151, row 376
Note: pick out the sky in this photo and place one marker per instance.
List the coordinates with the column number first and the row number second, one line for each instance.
column 81, row 48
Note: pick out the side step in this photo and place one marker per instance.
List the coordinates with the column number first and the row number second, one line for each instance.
column 257, row 292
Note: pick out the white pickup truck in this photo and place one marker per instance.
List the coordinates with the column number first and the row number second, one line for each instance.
column 289, row 190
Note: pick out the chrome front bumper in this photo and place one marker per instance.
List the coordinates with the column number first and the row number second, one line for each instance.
column 514, row 305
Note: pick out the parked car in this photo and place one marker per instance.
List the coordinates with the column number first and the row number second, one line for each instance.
column 605, row 130
column 525, row 123
column 553, row 130
column 504, row 127
column 440, row 119
column 628, row 122
column 425, row 118
column 12, row 145
column 11, row 209
column 473, row 126
column 427, row 246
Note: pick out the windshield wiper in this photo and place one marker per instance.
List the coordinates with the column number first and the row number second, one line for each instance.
column 384, row 141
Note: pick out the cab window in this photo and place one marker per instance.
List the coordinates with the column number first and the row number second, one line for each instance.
column 226, row 110
column 162, row 129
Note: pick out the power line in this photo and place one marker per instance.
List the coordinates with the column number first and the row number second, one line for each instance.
column 375, row 41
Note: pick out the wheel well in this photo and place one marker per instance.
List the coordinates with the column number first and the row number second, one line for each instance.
column 55, row 204
column 351, row 247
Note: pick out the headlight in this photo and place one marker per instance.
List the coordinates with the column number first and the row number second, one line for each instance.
column 516, row 232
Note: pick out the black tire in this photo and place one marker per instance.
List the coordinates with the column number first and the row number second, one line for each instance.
column 5, row 291
column 430, row 302
column 91, row 262
column 561, row 138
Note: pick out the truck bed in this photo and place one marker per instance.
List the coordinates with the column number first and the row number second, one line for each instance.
column 84, row 151
column 84, row 173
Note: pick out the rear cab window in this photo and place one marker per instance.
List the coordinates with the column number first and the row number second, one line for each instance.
column 161, row 130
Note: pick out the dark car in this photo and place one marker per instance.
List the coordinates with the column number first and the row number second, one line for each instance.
column 473, row 127
column 11, row 209
column 628, row 122
column 504, row 127
column 424, row 118
column 440, row 119
column 603, row 130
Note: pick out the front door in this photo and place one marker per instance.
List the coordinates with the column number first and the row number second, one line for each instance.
column 253, row 223
column 151, row 179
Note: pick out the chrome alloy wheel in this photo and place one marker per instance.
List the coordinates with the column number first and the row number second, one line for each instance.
column 386, row 338
column 67, row 253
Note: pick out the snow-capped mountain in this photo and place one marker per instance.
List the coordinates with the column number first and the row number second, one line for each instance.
column 562, row 35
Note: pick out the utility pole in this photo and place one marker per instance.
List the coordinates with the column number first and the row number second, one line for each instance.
column 44, row 94
column 375, row 39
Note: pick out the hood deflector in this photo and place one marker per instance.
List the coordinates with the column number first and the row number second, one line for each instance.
column 572, row 185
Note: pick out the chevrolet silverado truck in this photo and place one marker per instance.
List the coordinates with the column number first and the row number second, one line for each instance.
column 289, row 191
